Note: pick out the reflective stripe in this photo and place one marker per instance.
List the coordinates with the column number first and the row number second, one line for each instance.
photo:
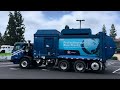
column 16, row 52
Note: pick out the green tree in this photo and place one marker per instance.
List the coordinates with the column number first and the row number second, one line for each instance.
column 104, row 29
column 66, row 27
column 15, row 29
column 10, row 33
column 113, row 32
column 1, row 39
column 5, row 38
column 20, row 27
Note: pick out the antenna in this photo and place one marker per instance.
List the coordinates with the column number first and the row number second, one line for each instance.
column 80, row 22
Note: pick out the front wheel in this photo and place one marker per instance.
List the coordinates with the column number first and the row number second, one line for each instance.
column 24, row 63
column 79, row 66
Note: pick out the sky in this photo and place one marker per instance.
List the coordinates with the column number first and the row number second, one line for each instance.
column 35, row 20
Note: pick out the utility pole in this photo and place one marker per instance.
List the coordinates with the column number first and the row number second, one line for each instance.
column 80, row 22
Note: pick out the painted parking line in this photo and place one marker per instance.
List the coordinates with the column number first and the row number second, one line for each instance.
column 116, row 70
column 14, row 68
column 110, row 63
column 45, row 70
column 7, row 65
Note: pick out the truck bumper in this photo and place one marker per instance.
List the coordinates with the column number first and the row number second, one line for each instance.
column 15, row 61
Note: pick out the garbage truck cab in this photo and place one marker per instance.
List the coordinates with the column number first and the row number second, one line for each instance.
column 21, row 50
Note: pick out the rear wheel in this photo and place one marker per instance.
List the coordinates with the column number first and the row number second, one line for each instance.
column 79, row 66
column 40, row 62
column 25, row 63
column 95, row 66
column 103, row 67
column 64, row 65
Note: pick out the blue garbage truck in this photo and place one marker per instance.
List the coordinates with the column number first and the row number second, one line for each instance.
column 70, row 49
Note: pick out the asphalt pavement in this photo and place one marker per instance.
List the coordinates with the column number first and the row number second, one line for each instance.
column 8, row 70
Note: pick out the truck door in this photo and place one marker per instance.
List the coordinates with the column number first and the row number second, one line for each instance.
column 49, row 46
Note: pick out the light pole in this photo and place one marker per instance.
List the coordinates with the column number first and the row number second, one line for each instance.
column 80, row 22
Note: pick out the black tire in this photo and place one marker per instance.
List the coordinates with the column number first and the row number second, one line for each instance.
column 25, row 63
column 95, row 66
column 103, row 68
column 64, row 65
column 40, row 63
column 79, row 66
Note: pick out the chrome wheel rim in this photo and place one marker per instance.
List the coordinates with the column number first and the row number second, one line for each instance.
column 24, row 63
column 63, row 65
column 79, row 66
column 95, row 66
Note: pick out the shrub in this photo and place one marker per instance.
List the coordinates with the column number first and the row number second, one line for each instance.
column 118, row 50
column 114, row 58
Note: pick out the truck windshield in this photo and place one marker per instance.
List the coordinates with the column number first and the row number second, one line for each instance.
column 17, row 47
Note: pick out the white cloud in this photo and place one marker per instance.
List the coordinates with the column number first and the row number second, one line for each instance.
column 35, row 20
column 3, row 20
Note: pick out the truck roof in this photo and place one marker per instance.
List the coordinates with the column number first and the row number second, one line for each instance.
column 83, row 31
column 47, row 31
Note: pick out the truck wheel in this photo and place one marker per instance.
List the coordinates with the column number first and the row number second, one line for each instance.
column 79, row 66
column 24, row 63
column 40, row 63
column 95, row 66
column 64, row 65
column 103, row 67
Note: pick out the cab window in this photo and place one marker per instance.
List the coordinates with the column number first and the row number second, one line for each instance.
column 17, row 47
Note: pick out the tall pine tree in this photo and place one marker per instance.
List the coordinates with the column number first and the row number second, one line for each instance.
column 10, row 35
column 1, row 39
column 66, row 27
column 104, row 29
column 113, row 33
column 20, row 27
column 15, row 29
